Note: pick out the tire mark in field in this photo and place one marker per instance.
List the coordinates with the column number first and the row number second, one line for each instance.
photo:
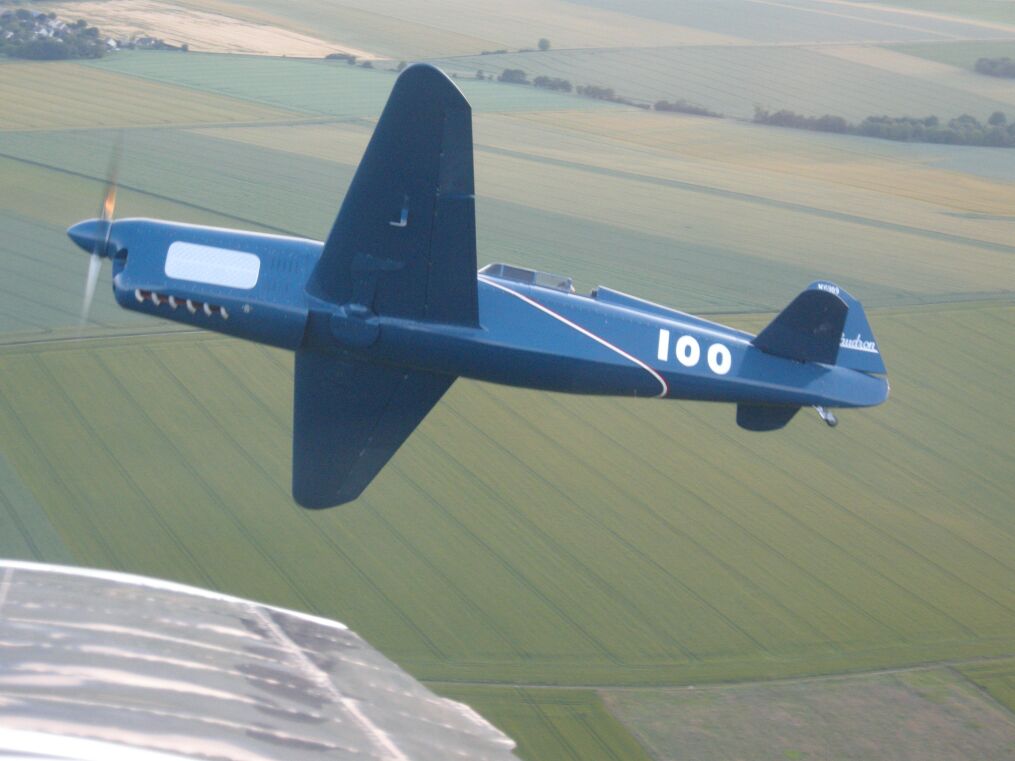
column 168, row 372
column 151, row 194
column 703, row 503
column 958, row 349
column 20, row 318
column 589, row 573
column 717, row 508
column 804, row 527
column 511, row 568
column 20, row 294
column 448, row 582
column 248, row 392
column 304, row 515
column 986, row 517
column 20, row 526
column 751, row 198
column 592, row 729
column 56, row 475
column 59, row 339
column 958, row 434
column 52, row 288
column 550, row 725
column 890, row 537
column 124, row 473
column 646, row 509
column 844, row 510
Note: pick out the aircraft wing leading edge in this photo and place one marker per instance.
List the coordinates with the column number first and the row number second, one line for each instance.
column 349, row 418
column 404, row 242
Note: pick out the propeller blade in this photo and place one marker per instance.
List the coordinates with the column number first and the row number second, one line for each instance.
column 106, row 212
column 94, row 266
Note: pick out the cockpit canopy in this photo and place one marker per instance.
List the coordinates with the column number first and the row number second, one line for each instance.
column 529, row 277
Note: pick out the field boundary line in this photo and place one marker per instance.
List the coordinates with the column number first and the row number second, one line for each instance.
column 752, row 198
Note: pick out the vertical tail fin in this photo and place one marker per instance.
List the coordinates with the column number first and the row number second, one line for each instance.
column 823, row 324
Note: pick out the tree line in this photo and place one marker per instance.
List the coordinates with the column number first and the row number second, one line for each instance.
column 962, row 130
column 597, row 92
column 996, row 67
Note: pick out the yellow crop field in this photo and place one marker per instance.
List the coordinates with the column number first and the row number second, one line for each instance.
column 59, row 95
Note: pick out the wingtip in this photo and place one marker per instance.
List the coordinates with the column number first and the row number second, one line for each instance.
column 432, row 80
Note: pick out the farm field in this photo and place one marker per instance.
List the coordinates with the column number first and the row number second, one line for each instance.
column 568, row 724
column 819, row 21
column 732, row 80
column 884, row 716
column 982, row 10
column 546, row 557
column 65, row 94
column 961, row 54
column 525, row 558
column 996, row 677
column 403, row 29
column 315, row 87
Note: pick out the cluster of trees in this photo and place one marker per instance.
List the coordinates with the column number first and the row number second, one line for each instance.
column 42, row 36
column 962, row 130
column 350, row 59
column 607, row 93
column 996, row 67
column 514, row 77
column 519, row 77
column 553, row 83
column 543, row 45
column 684, row 107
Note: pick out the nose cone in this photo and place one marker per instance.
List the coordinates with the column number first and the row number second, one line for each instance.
column 88, row 234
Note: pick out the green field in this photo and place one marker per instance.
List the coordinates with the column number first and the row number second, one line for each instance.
column 734, row 79
column 525, row 557
column 321, row 88
column 530, row 553
column 961, row 54
column 996, row 677
column 883, row 716
column 562, row 724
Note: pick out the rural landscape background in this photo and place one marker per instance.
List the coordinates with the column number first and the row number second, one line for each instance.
column 602, row 579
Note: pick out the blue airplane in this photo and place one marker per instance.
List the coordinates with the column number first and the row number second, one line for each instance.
column 389, row 310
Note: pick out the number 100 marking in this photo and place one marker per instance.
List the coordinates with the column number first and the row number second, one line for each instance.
column 688, row 352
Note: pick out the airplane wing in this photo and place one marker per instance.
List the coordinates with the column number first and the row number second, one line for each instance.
column 105, row 665
column 349, row 418
column 404, row 241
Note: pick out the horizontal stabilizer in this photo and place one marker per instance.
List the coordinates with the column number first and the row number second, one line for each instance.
column 349, row 418
column 759, row 417
column 808, row 330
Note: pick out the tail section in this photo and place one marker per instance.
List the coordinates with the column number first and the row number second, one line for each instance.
column 404, row 242
column 858, row 349
column 823, row 324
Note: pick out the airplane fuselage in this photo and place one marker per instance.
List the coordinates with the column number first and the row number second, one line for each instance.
column 254, row 286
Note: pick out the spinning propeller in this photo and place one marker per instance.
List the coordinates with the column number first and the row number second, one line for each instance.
column 94, row 234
